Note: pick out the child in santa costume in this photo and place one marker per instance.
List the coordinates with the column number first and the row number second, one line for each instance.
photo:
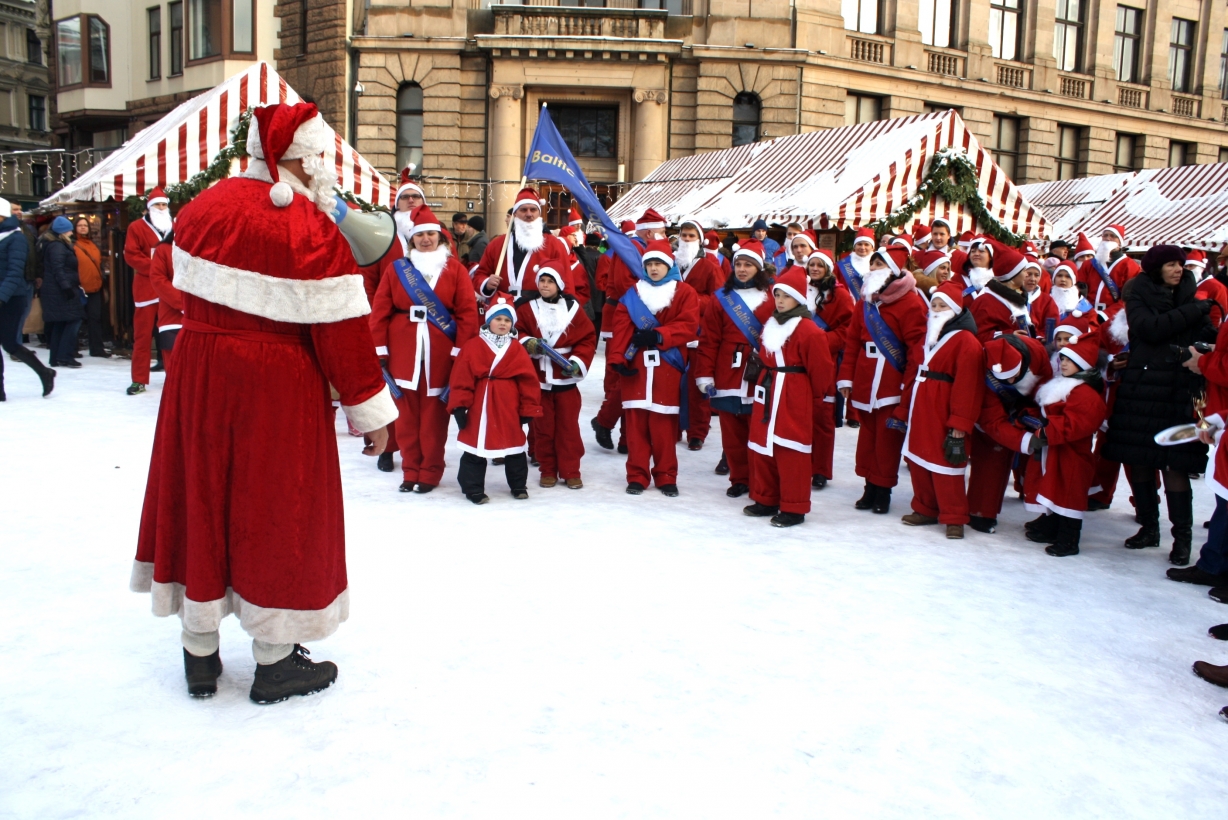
column 139, row 245
column 494, row 392
column 831, row 308
column 701, row 271
column 656, row 319
column 555, row 318
column 170, row 300
column 795, row 374
column 1063, row 467
column 274, row 311
column 727, row 344
column 882, row 349
column 934, row 268
column 1107, row 269
column 943, row 407
column 424, row 313
column 1002, row 306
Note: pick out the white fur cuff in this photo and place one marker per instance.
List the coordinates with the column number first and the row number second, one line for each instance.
column 376, row 412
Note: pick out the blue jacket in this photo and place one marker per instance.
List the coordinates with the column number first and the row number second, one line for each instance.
column 13, row 252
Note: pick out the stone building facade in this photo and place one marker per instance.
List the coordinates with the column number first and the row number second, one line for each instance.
column 28, row 169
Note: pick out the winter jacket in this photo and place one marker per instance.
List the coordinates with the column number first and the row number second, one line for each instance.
column 89, row 264
column 34, row 260
column 13, row 249
column 947, row 395
column 61, row 292
column 1155, row 391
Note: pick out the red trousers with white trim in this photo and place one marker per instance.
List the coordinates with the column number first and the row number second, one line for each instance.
column 989, row 474
column 938, row 495
column 699, row 411
column 651, row 437
column 781, row 479
column 824, row 439
column 422, row 432
column 143, row 321
column 735, row 432
column 878, row 448
column 556, row 434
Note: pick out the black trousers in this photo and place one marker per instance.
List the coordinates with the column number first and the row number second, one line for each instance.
column 93, row 323
column 472, row 473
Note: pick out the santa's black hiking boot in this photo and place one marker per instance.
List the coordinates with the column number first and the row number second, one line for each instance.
column 867, row 498
column 737, row 490
column 785, row 519
column 635, row 488
column 292, row 675
column 758, row 510
column 722, row 466
column 605, row 439
column 1043, row 530
column 202, row 673
column 882, row 500
column 384, row 462
column 668, row 490
column 818, row 481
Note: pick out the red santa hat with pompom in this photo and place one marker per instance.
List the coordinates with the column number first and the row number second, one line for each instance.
column 951, row 293
column 903, row 240
column 865, row 235
column 751, row 250
column 1008, row 262
column 825, row 255
column 1067, row 267
column 407, row 184
column 574, row 217
column 1196, row 259
column 425, row 220
column 546, row 270
column 712, row 240
column 158, row 196
column 527, row 196
column 1083, row 247
column 1076, row 324
column 1118, row 231
column 650, row 221
column 1085, row 352
column 661, row 251
column 1002, row 358
column 930, row 261
column 285, row 131
column 793, row 283
column 501, row 306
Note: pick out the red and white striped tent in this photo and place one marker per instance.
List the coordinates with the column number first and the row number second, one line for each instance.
column 1068, row 202
column 186, row 140
column 1168, row 206
column 840, row 178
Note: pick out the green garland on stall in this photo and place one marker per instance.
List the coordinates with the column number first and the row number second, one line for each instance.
column 219, row 169
column 954, row 178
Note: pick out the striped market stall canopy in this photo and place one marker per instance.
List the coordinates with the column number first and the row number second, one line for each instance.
column 187, row 139
column 839, row 178
column 1168, row 206
column 1068, row 202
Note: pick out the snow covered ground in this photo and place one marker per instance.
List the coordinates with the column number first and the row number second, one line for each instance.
column 592, row 655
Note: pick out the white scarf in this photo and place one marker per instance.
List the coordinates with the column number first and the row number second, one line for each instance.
column 685, row 254
column 861, row 264
column 529, row 235
column 656, row 297
column 430, row 263
column 1066, row 299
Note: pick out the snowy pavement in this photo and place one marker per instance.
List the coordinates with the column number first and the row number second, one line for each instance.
column 593, row 655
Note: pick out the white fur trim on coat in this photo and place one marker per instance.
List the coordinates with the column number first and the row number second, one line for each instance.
column 775, row 334
column 1119, row 328
column 376, row 412
column 1056, row 390
column 300, row 301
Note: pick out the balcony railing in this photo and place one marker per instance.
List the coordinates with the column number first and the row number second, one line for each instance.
column 674, row 7
column 948, row 65
column 1131, row 97
column 1185, row 106
column 1076, row 87
column 1014, row 76
column 573, row 21
column 867, row 51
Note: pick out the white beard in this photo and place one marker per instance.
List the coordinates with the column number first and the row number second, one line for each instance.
column 161, row 220
column 861, row 264
column 752, row 297
column 685, row 254
column 873, row 281
column 529, row 235
column 656, row 297
column 1103, row 250
column 1027, row 384
column 980, row 277
column 934, row 326
column 552, row 320
column 775, row 334
column 323, row 183
column 429, row 263
column 405, row 224
column 1067, row 299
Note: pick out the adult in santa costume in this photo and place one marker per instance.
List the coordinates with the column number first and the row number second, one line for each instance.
column 882, row 350
column 801, row 245
column 511, row 272
column 831, row 308
column 170, row 300
column 944, row 405
column 143, row 237
column 424, row 313
column 271, row 318
column 934, row 269
column 494, row 393
column 1208, row 286
column 700, row 270
column 727, row 344
column 940, row 235
column 1042, row 312
column 795, row 373
column 855, row 265
column 1107, row 270
column 554, row 319
column 1063, row 467
column 657, row 319
column 1002, row 306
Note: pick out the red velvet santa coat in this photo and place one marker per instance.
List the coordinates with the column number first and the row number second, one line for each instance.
column 577, row 278
column 1042, row 311
column 724, row 350
column 417, row 350
column 836, row 313
column 994, row 421
column 274, row 312
column 705, row 277
column 938, row 405
column 1120, row 271
column 994, row 314
column 613, row 277
column 553, row 252
column 162, row 279
column 139, row 247
column 783, row 412
column 1067, row 467
column 1211, row 288
column 498, row 385
column 656, row 387
column 876, row 383
column 574, row 339
column 1214, row 367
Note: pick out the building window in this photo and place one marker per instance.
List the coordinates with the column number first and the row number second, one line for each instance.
column 1223, row 155
column 409, row 126
column 175, row 13
column 746, row 110
column 1181, row 54
column 1005, row 147
column 1223, row 66
column 1004, row 28
column 100, row 51
column 860, row 15
column 39, row 180
column 1180, row 153
column 589, row 131
column 241, row 27
column 1068, row 138
column 937, row 21
column 1123, row 160
column 859, row 108
column 68, row 52
column 38, row 113
column 34, row 47
column 1068, row 35
column 204, row 29
column 155, row 41
column 76, row 65
column 1127, row 43
column 302, row 27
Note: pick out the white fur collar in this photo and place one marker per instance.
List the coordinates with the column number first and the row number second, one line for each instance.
column 430, row 264
column 1119, row 328
column 775, row 334
column 1056, row 390
column 752, row 297
column 656, row 297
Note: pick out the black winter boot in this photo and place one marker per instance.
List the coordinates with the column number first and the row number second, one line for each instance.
column 758, row 510
column 1043, row 530
column 292, row 675
column 1147, row 514
column 1181, row 514
column 45, row 374
column 722, row 466
column 882, row 500
column 867, row 498
column 202, row 673
column 982, row 524
column 1068, row 531
column 785, row 519
column 604, row 438
column 384, row 462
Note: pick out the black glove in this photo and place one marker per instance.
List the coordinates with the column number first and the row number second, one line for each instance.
column 461, row 414
column 1037, row 442
column 1205, row 306
column 955, row 450
column 623, row 370
column 524, row 420
column 645, row 339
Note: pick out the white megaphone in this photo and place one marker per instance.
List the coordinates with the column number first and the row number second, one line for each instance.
column 370, row 233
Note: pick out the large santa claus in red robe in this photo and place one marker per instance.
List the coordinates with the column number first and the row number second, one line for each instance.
column 274, row 311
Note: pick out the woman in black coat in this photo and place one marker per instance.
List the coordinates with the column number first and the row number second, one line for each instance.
column 1156, row 392
column 61, row 294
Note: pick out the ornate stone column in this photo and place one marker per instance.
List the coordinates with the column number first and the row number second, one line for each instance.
column 506, row 146
column 648, row 145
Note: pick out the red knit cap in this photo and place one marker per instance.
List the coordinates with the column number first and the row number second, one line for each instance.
column 794, row 283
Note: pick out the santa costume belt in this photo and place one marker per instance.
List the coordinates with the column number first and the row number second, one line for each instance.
column 248, row 335
column 934, row 375
column 768, row 383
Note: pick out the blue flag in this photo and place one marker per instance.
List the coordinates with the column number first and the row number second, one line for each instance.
column 550, row 159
